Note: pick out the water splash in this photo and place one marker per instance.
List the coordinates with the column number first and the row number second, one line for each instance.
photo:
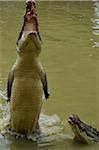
column 51, row 127
column 50, row 133
column 2, row 92
column 3, row 96
column 95, row 21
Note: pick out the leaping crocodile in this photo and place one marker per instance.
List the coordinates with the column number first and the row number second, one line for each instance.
column 27, row 79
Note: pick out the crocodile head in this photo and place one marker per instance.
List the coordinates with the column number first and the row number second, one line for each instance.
column 29, row 4
column 30, row 10
column 83, row 132
column 27, row 40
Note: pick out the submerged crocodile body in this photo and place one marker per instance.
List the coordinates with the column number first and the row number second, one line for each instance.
column 83, row 132
column 27, row 79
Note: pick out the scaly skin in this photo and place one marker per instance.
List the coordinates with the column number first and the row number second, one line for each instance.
column 27, row 88
column 26, row 97
column 83, row 132
column 26, row 82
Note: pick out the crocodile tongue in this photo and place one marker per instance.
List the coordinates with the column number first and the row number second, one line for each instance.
column 31, row 11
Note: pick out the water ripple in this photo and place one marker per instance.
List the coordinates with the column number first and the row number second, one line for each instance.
column 95, row 21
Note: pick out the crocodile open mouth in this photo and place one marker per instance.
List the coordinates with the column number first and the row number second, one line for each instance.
column 30, row 10
column 29, row 5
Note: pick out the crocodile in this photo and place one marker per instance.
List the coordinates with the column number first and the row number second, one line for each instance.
column 82, row 131
column 27, row 80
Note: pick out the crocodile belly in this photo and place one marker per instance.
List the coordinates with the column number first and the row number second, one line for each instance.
column 26, row 101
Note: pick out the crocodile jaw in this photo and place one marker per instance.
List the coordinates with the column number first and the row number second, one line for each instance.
column 80, row 134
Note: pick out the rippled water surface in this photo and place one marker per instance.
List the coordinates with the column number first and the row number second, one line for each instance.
column 70, row 55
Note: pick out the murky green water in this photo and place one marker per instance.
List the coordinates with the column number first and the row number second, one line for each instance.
column 70, row 55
